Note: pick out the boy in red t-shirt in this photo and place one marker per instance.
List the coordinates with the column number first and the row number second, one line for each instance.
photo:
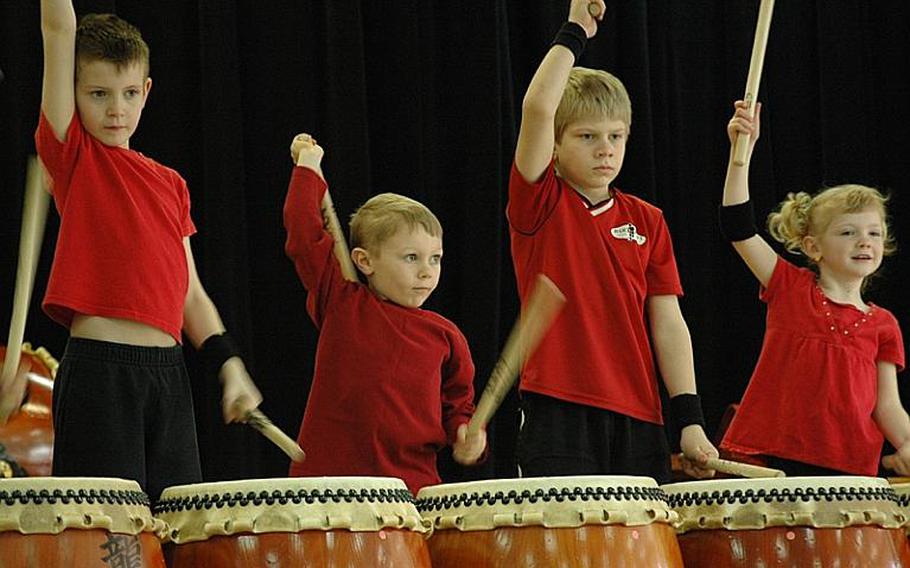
column 590, row 398
column 393, row 383
column 123, row 280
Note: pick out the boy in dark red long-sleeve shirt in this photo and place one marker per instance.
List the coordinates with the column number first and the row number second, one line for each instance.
column 392, row 383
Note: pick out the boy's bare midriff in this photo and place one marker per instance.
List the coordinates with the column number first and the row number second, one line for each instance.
column 120, row 331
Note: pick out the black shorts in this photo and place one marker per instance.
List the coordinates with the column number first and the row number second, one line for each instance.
column 565, row 438
column 125, row 411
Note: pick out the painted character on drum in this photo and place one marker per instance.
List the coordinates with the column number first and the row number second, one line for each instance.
column 824, row 390
column 393, row 383
column 123, row 279
column 590, row 396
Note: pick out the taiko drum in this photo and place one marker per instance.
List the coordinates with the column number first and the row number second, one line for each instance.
column 554, row 522
column 300, row 522
column 798, row 522
column 84, row 522
column 28, row 435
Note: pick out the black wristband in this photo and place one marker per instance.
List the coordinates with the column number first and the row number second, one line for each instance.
column 217, row 349
column 737, row 222
column 573, row 37
column 686, row 409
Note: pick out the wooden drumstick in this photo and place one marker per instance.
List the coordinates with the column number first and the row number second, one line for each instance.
column 341, row 246
column 742, row 469
column 594, row 9
column 762, row 26
column 261, row 423
column 545, row 302
column 34, row 215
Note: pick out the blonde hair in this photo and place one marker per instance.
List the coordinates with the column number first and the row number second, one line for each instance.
column 801, row 215
column 592, row 93
column 382, row 215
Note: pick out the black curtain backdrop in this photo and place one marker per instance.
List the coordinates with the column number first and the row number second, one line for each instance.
column 424, row 98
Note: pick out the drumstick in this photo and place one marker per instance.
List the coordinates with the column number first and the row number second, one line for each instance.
column 34, row 215
column 762, row 26
column 341, row 246
column 545, row 302
column 264, row 426
column 742, row 469
column 594, row 9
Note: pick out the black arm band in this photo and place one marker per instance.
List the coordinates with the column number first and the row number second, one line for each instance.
column 686, row 409
column 573, row 37
column 737, row 222
column 216, row 350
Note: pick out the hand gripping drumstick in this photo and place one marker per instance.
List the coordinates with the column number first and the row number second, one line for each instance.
column 341, row 246
column 762, row 26
column 34, row 215
column 260, row 422
column 545, row 302
column 742, row 469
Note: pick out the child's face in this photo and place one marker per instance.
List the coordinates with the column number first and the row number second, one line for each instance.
column 851, row 246
column 591, row 151
column 110, row 101
column 405, row 268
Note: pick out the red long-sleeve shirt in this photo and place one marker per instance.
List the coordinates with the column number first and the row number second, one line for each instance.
column 391, row 384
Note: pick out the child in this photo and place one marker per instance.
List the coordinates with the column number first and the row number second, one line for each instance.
column 392, row 383
column 824, row 390
column 590, row 397
column 123, row 279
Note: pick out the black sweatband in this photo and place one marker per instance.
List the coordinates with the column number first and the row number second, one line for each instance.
column 217, row 349
column 573, row 37
column 737, row 222
column 686, row 409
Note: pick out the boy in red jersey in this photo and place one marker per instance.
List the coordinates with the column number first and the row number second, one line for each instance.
column 123, row 280
column 392, row 383
column 590, row 397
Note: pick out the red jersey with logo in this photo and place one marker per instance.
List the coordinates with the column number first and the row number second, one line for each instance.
column 123, row 218
column 815, row 386
column 391, row 384
column 607, row 259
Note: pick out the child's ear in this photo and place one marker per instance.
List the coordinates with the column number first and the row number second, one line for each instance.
column 361, row 260
column 810, row 247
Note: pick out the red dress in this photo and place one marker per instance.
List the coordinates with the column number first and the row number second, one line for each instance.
column 815, row 386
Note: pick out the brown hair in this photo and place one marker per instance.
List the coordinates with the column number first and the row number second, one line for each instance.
column 107, row 37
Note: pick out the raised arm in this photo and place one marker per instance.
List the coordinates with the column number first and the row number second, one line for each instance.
column 754, row 250
column 58, row 30
column 536, row 136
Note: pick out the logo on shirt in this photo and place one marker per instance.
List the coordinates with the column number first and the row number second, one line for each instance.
column 628, row 232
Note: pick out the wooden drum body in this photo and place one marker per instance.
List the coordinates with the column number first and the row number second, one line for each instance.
column 550, row 522
column 902, row 491
column 84, row 522
column 794, row 522
column 27, row 439
column 318, row 522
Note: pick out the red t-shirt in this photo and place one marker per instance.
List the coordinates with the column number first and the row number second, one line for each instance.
column 391, row 384
column 815, row 386
column 123, row 218
column 607, row 259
